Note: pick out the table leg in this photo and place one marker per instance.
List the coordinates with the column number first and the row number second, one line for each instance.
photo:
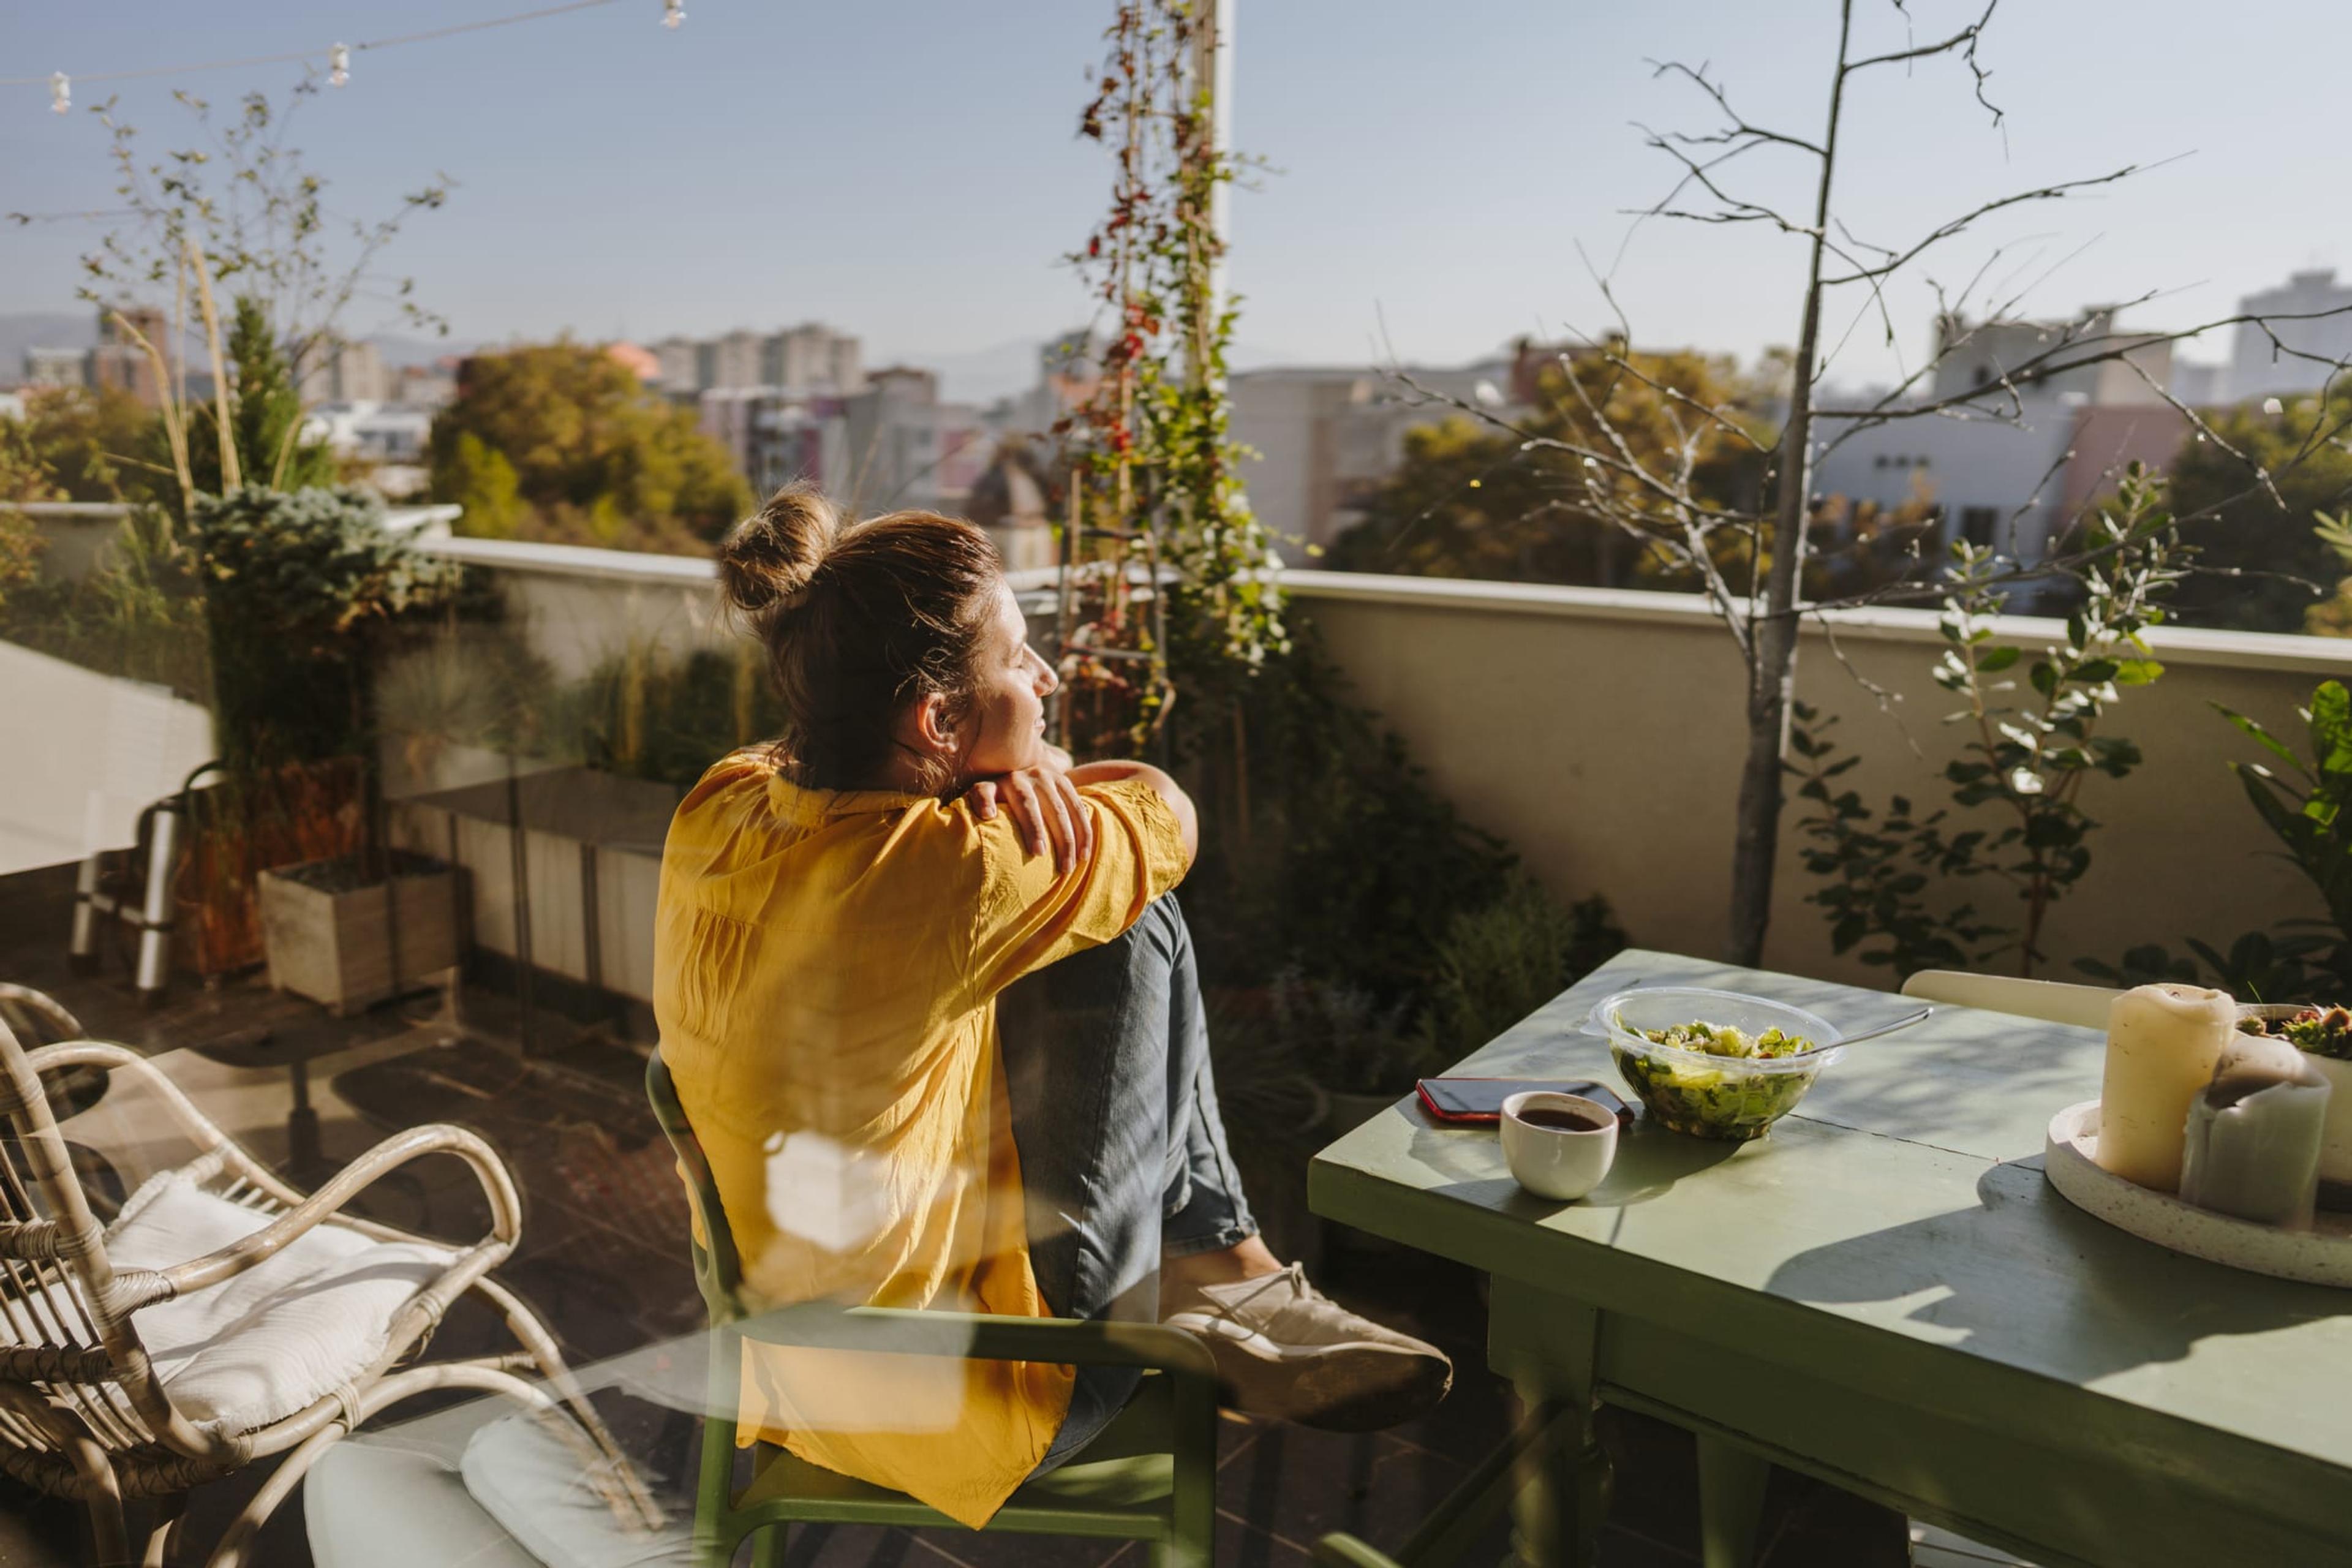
column 1731, row 1483
column 1548, row 1347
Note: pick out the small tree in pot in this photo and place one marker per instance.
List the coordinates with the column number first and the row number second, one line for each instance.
column 303, row 591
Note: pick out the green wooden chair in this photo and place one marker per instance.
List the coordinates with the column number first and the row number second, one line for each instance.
column 1454, row 1528
column 1150, row 1476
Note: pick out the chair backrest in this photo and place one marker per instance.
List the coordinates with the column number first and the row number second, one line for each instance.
column 716, row 1270
column 2053, row 1001
column 65, row 1335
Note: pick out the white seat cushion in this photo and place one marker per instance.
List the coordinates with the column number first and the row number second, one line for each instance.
column 530, row 1480
column 377, row 1505
column 269, row 1341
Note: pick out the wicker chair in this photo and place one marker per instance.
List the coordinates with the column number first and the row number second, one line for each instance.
column 129, row 1369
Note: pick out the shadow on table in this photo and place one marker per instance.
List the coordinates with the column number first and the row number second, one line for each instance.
column 2027, row 1278
column 1650, row 1160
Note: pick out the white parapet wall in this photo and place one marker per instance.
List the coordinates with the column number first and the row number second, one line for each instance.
column 580, row 607
column 1601, row 732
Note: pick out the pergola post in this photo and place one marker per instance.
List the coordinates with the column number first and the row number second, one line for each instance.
column 1213, row 70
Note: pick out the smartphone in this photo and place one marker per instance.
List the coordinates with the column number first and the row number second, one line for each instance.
column 1475, row 1100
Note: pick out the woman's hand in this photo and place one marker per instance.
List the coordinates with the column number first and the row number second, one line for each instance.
column 1045, row 809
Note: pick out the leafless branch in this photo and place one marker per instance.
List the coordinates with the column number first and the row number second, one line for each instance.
column 2071, row 352
column 2205, row 431
column 1952, row 227
column 1888, row 698
column 1740, row 125
column 1965, row 41
column 1701, row 172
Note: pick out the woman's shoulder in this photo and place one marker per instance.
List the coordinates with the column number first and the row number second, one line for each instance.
column 730, row 781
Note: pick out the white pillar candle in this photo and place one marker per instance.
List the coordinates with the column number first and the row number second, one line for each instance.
column 2253, row 1135
column 2163, row 1043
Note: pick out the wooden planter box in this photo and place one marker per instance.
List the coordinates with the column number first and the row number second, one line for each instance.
column 576, row 897
column 304, row 811
column 333, row 941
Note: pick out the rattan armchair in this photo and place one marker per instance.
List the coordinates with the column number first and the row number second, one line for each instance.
column 120, row 1378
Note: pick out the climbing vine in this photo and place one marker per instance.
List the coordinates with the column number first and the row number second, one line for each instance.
column 1166, row 581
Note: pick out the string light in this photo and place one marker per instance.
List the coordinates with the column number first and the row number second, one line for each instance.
column 673, row 14
column 339, row 57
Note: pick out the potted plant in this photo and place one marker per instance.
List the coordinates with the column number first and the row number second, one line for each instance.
column 292, row 600
column 305, row 590
column 1360, row 1053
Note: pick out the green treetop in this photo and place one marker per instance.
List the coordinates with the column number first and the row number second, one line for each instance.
column 560, row 441
column 2258, row 555
column 264, row 415
column 1475, row 502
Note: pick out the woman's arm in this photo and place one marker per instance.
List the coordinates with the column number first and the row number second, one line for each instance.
column 1047, row 815
column 1188, row 821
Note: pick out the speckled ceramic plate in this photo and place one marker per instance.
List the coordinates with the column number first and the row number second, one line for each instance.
column 2321, row 1255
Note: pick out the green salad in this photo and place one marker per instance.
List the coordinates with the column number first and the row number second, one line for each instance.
column 2318, row 1031
column 1722, row 1040
column 1709, row 1101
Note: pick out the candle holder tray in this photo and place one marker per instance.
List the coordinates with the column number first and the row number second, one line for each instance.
column 2320, row 1255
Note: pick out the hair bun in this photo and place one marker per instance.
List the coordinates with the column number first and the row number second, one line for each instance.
column 766, row 560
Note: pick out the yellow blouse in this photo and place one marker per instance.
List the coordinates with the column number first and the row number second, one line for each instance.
column 825, row 971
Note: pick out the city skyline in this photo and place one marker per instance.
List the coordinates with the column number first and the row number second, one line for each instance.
column 615, row 180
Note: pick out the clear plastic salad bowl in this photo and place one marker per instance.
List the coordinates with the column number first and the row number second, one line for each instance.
column 1699, row 1093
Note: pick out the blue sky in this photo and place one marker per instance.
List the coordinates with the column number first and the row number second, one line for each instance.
column 907, row 168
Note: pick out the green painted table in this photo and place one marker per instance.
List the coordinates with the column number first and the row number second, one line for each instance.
column 1884, row 1293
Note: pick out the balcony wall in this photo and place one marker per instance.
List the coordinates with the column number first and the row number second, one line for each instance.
column 579, row 608
column 1599, row 732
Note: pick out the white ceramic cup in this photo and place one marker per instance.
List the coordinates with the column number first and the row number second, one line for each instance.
column 1561, row 1163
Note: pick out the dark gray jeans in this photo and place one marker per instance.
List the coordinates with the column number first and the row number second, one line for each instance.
column 1123, row 1156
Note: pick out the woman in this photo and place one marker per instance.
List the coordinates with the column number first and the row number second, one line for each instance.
column 840, row 913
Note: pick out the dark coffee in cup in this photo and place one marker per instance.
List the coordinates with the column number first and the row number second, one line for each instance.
column 1563, row 1119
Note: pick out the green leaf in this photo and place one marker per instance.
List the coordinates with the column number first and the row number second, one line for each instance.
column 2094, row 670
column 2269, row 742
column 2137, row 673
column 2331, row 725
column 1994, row 659
column 2044, row 677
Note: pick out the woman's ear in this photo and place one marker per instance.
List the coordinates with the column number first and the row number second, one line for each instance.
column 934, row 725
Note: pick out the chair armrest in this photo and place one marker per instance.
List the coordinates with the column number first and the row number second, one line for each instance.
column 498, row 1188
column 46, row 1007
column 115, row 1059
column 1341, row 1549
column 975, row 1336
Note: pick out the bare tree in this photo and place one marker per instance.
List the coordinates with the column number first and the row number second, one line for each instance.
column 1766, row 537
column 242, row 197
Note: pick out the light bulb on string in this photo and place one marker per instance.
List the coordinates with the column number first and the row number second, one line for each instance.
column 339, row 64
column 673, row 14
column 60, row 93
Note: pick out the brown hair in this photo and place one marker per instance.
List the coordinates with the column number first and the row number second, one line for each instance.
column 859, row 621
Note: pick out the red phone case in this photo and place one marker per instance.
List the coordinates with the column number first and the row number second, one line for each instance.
column 1488, row 1118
